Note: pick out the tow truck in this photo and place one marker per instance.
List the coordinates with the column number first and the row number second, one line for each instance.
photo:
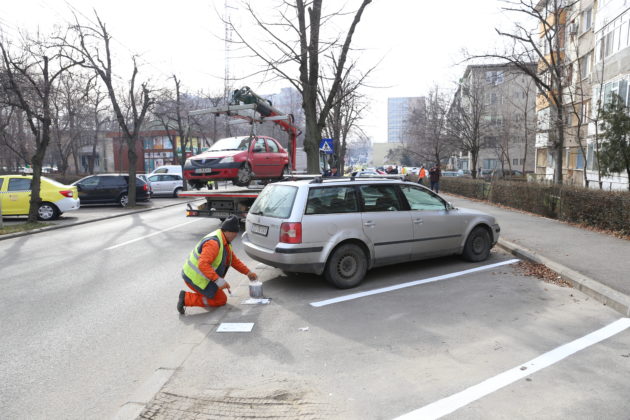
column 248, row 107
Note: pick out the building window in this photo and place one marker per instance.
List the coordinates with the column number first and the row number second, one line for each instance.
column 585, row 65
column 514, row 161
column 587, row 17
column 579, row 162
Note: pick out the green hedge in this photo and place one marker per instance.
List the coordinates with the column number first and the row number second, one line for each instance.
column 601, row 209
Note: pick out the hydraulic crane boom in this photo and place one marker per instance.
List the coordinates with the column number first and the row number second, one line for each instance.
column 245, row 104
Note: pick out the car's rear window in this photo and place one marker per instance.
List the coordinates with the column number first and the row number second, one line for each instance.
column 53, row 182
column 275, row 201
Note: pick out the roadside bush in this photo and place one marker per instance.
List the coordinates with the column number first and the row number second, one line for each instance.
column 601, row 209
column 468, row 187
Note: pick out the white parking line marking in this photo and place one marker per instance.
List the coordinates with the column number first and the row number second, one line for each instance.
column 409, row 284
column 456, row 401
column 152, row 234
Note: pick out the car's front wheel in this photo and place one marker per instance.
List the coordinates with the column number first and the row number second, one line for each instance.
column 346, row 266
column 244, row 176
column 477, row 247
column 123, row 200
column 47, row 211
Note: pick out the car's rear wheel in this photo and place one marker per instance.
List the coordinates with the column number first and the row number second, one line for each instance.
column 176, row 192
column 285, row 172
column 123, row 200
column 47, row 211
column 477, row 247
column 244, row 176
column 346, row 266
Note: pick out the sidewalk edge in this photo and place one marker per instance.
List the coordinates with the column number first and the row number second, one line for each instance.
column 602, row 293
column 55, row 227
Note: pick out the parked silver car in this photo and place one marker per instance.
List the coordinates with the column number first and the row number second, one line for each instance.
column 166, row 184
column 343, row 227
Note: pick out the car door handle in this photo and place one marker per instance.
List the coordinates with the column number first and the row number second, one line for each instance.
column 417, row 221
column 369, row 223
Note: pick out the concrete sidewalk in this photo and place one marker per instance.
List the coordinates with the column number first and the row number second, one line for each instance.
column 595, row 263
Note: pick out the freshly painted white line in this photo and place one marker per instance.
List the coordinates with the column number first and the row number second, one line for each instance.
column 152, row 234
column 409, row 284
column 456, row 401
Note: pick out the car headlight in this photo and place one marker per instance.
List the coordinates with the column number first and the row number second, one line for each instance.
column 228, row 159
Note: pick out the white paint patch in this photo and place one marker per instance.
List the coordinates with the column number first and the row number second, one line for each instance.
column 235, row 327
column 152, row 234
column 410, row 284
column 256, row 301
column 456, row 401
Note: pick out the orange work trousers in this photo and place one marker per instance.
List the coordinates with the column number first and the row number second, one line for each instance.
column 198, row 298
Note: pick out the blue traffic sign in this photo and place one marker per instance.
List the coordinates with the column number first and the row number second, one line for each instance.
column 326, row 146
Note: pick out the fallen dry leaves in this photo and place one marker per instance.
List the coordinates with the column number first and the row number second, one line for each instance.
column 542, row 272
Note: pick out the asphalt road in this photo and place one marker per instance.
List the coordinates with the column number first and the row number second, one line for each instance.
column 89, row 314
column 82, row 324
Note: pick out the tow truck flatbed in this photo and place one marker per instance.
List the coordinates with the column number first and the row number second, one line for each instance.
column 222, row 203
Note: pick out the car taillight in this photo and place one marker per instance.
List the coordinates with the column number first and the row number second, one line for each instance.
column 67, row 193
column 145, row 187
column 291, row 233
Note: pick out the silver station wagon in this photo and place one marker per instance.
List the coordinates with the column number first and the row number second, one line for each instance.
column 343, row 227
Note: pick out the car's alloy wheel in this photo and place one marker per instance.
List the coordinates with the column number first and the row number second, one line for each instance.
column 123, row 200
column 477, row 247
column 346, row 266
column 244, row 176
column 47, row 211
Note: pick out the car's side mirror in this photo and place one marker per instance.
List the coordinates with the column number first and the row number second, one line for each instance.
column 449, row 206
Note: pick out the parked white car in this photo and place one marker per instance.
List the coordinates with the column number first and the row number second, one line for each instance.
column 166, row 184
column 168, row 169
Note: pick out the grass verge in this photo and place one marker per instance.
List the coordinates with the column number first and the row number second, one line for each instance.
column 22, row 227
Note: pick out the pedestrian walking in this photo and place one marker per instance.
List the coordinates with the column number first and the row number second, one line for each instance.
column 421, row 175
column 434, row 177
column 206, row 266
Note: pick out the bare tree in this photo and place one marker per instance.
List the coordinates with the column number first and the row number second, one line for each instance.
column 344, row 118
column 130, row 106
column 30, row 82
column 544, row 44
column 466, row 120
column 306, row 21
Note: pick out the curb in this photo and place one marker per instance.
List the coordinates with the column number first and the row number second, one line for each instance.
column 600, row 292
column 55, row 227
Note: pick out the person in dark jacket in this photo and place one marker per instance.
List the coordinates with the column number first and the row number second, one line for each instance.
column 434, row 176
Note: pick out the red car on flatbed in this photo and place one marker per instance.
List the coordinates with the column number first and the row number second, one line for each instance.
column 240, row 159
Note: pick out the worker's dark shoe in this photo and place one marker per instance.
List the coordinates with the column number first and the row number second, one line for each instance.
column 180, row 302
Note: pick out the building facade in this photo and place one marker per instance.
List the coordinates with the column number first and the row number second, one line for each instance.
column 398, row 112
column 498, row 101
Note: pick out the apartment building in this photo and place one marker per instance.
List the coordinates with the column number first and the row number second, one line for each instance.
column 595, row 53
column 398, row 112
column 501, row 97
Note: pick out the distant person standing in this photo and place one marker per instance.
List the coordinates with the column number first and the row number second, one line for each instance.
column 421, row 175
column 332, row 172
column 392, row 170
column 434, row 176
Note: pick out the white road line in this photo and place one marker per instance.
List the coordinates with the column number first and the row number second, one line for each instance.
column 456, row 401
column 152, row 234
column 409, row 284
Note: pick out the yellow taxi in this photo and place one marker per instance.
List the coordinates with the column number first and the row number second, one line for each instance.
column 15, row 193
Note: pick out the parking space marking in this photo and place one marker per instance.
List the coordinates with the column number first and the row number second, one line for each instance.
column 456, row 401
column 409, row 284
column 152, row 234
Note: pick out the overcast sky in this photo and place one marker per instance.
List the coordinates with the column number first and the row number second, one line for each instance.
column 418, row 42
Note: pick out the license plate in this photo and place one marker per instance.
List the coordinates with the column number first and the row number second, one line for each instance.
column 260, row 229
column 221, row 214
column 203, row 170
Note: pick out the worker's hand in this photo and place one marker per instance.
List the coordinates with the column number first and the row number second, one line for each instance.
column 252, row 276
column 226, row 285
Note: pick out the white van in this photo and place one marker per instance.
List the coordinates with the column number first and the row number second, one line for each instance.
column 168, row 169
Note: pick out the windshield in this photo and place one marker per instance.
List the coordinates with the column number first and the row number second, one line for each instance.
column 233, row 143
column 275, row 201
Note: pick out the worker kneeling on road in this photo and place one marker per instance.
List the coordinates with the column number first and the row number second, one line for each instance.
column 205, row 269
